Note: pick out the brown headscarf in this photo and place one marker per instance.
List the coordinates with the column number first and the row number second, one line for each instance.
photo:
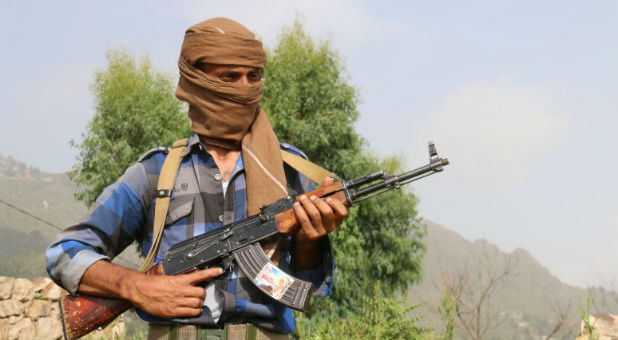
column 229, row 114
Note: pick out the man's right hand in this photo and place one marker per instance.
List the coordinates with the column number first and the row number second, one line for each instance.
column 167, row 296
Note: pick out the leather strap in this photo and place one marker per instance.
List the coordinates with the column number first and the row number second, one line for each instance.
column 165, row 185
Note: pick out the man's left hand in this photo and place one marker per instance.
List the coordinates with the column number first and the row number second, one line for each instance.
column 317, row 217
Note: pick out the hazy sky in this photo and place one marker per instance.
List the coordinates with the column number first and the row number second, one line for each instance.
column 522, row 97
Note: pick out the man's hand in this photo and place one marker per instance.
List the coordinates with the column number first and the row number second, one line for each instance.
column 171, row 296
column 317, row 217
column 167, row 296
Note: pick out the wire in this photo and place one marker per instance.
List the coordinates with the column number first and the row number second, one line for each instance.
column 52, row 225
column 31, row 215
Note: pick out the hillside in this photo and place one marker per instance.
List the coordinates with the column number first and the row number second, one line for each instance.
column 47, row 196
column 529, row 301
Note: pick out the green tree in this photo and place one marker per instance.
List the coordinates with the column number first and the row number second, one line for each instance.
column 135, row 111
column 379, row 317
column 447, row 308
column 312, row 106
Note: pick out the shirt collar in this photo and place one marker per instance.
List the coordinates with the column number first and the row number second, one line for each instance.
column 194, row 142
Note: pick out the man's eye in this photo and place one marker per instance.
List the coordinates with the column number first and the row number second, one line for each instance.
column 255, row 76
column 229, row 76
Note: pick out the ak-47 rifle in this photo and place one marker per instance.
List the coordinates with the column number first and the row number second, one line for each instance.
column 239, row 242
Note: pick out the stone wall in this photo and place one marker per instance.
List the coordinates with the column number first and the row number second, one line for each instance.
column 29, row 309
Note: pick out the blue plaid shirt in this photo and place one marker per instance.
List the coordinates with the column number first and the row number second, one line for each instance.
column 125, row 212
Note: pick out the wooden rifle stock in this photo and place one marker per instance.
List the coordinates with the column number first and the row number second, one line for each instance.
column 81, row 314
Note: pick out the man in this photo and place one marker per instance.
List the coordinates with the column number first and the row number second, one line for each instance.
column 232, row 167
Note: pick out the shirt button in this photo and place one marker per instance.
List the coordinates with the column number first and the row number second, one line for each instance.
column 218, row 177
column 220, row 218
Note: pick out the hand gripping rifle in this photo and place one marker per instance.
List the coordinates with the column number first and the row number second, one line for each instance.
column 239, row 242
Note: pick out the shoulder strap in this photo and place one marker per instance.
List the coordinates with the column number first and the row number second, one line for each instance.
column 163, row 194
column 168, row 176
column 313, row 171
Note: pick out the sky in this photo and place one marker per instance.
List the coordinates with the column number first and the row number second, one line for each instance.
column 522, row 97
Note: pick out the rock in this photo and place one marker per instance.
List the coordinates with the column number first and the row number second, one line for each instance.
column 4, row 328
column 55, row 311
column 22, row 290
column 15, row 319
column 6, row 287
column 52, row 292
column 116, row 330
column 10, row 307
column 38, row 308
column 605, row 327
column 23, row 330
column 48, row 328
column 40, row 283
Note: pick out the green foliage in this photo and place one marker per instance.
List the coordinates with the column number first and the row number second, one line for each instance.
column 310, row 102
column 378, row 317
column 448, row 304
column 312, row 106
column 135, row 111
column 585, row 315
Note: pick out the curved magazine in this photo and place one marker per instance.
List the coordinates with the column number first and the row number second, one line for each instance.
column 271, row 280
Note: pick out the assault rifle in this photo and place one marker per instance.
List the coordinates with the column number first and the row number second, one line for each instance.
column 238, row 243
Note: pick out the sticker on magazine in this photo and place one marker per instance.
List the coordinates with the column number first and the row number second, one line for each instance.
column 273, row 281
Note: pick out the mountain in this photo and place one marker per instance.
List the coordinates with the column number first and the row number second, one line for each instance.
column 49, row 197
column 529, row 302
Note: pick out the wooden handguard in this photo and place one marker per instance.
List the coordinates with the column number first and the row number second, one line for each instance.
column 81, row 314
column 286, row 221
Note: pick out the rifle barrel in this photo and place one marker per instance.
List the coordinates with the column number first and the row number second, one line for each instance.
column 395, row 181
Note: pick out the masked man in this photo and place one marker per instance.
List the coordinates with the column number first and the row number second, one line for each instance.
column 233, row 165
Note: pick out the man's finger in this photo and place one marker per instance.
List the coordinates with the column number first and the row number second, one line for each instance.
column 186, row 311
column 192, row 303
column 194, row 291
column 326, row 212
column 315, row 215
column 203, row 275
column 327, row 181
column 304, row 221
column 340, row 211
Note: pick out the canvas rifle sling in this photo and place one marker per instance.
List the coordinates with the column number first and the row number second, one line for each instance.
column 168, row 175
column 313, row 171
column 163, row 195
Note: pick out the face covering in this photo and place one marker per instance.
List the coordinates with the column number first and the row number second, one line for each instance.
column 229, row 115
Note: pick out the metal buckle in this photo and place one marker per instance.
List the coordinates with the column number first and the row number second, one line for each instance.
column 161, row 193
